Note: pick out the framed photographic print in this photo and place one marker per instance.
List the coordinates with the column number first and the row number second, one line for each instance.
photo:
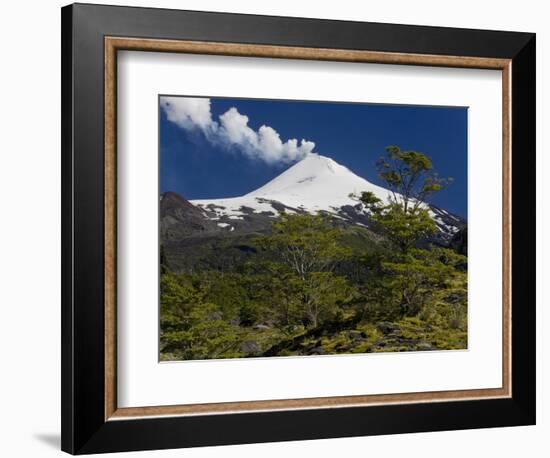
column 281, row 228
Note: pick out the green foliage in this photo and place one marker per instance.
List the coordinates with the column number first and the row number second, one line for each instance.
column 316, row 286
column 370, row 201
column 306, row 243
column 413, row 280
column 227, row 290
column 190, row 327
column 322, row 295
column 178, row 295
column 412, row 180
column 410, row 176
column 285, row 296
column 404, row 228
column 203, row 335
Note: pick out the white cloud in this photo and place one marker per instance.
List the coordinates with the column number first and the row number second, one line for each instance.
column 235, row 130
column 232, row 131
column 187, row 112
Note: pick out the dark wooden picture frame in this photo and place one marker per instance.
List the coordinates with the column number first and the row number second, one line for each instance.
column 91, row 37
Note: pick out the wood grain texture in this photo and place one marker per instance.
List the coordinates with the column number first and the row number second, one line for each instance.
column 110, row 197
column 112, row 44
column 288, row 52
column 307, row 403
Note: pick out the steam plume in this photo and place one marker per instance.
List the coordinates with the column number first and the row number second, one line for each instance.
column 232, row 130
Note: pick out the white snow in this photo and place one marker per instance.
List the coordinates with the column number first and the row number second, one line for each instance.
column 316, row 183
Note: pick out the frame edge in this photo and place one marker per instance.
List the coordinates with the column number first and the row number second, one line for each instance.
column 67, row 382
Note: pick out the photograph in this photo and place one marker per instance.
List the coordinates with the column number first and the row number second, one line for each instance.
column 300, row 228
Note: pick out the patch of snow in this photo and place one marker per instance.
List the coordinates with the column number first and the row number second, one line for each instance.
column 316, row 183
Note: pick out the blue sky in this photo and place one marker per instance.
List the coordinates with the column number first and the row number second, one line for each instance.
column 355, row 135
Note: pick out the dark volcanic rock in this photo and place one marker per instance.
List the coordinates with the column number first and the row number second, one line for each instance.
column 357, row 335
column 179, row 218
column 250, row 348
column 459, row 242
column 449, row 225
column 354, row 215
column 386, row 328
column 316, row 351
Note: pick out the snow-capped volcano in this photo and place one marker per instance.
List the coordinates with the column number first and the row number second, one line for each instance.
column 316, row 183
column 218, row 231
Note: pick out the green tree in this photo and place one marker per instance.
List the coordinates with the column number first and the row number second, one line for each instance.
column 411, row 276
column 190, row 327
column 203, row 334
column 410, row 176
column 322, row 294
column 414, row 279
column 412, row 180
column 284, row 289
column 226, row 290
column 404, row 228
column 308, row 245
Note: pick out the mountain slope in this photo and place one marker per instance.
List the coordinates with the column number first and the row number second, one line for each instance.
column 179, row 218
column 316, row 183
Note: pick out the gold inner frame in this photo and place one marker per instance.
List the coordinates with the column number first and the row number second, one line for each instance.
column 114, row 44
